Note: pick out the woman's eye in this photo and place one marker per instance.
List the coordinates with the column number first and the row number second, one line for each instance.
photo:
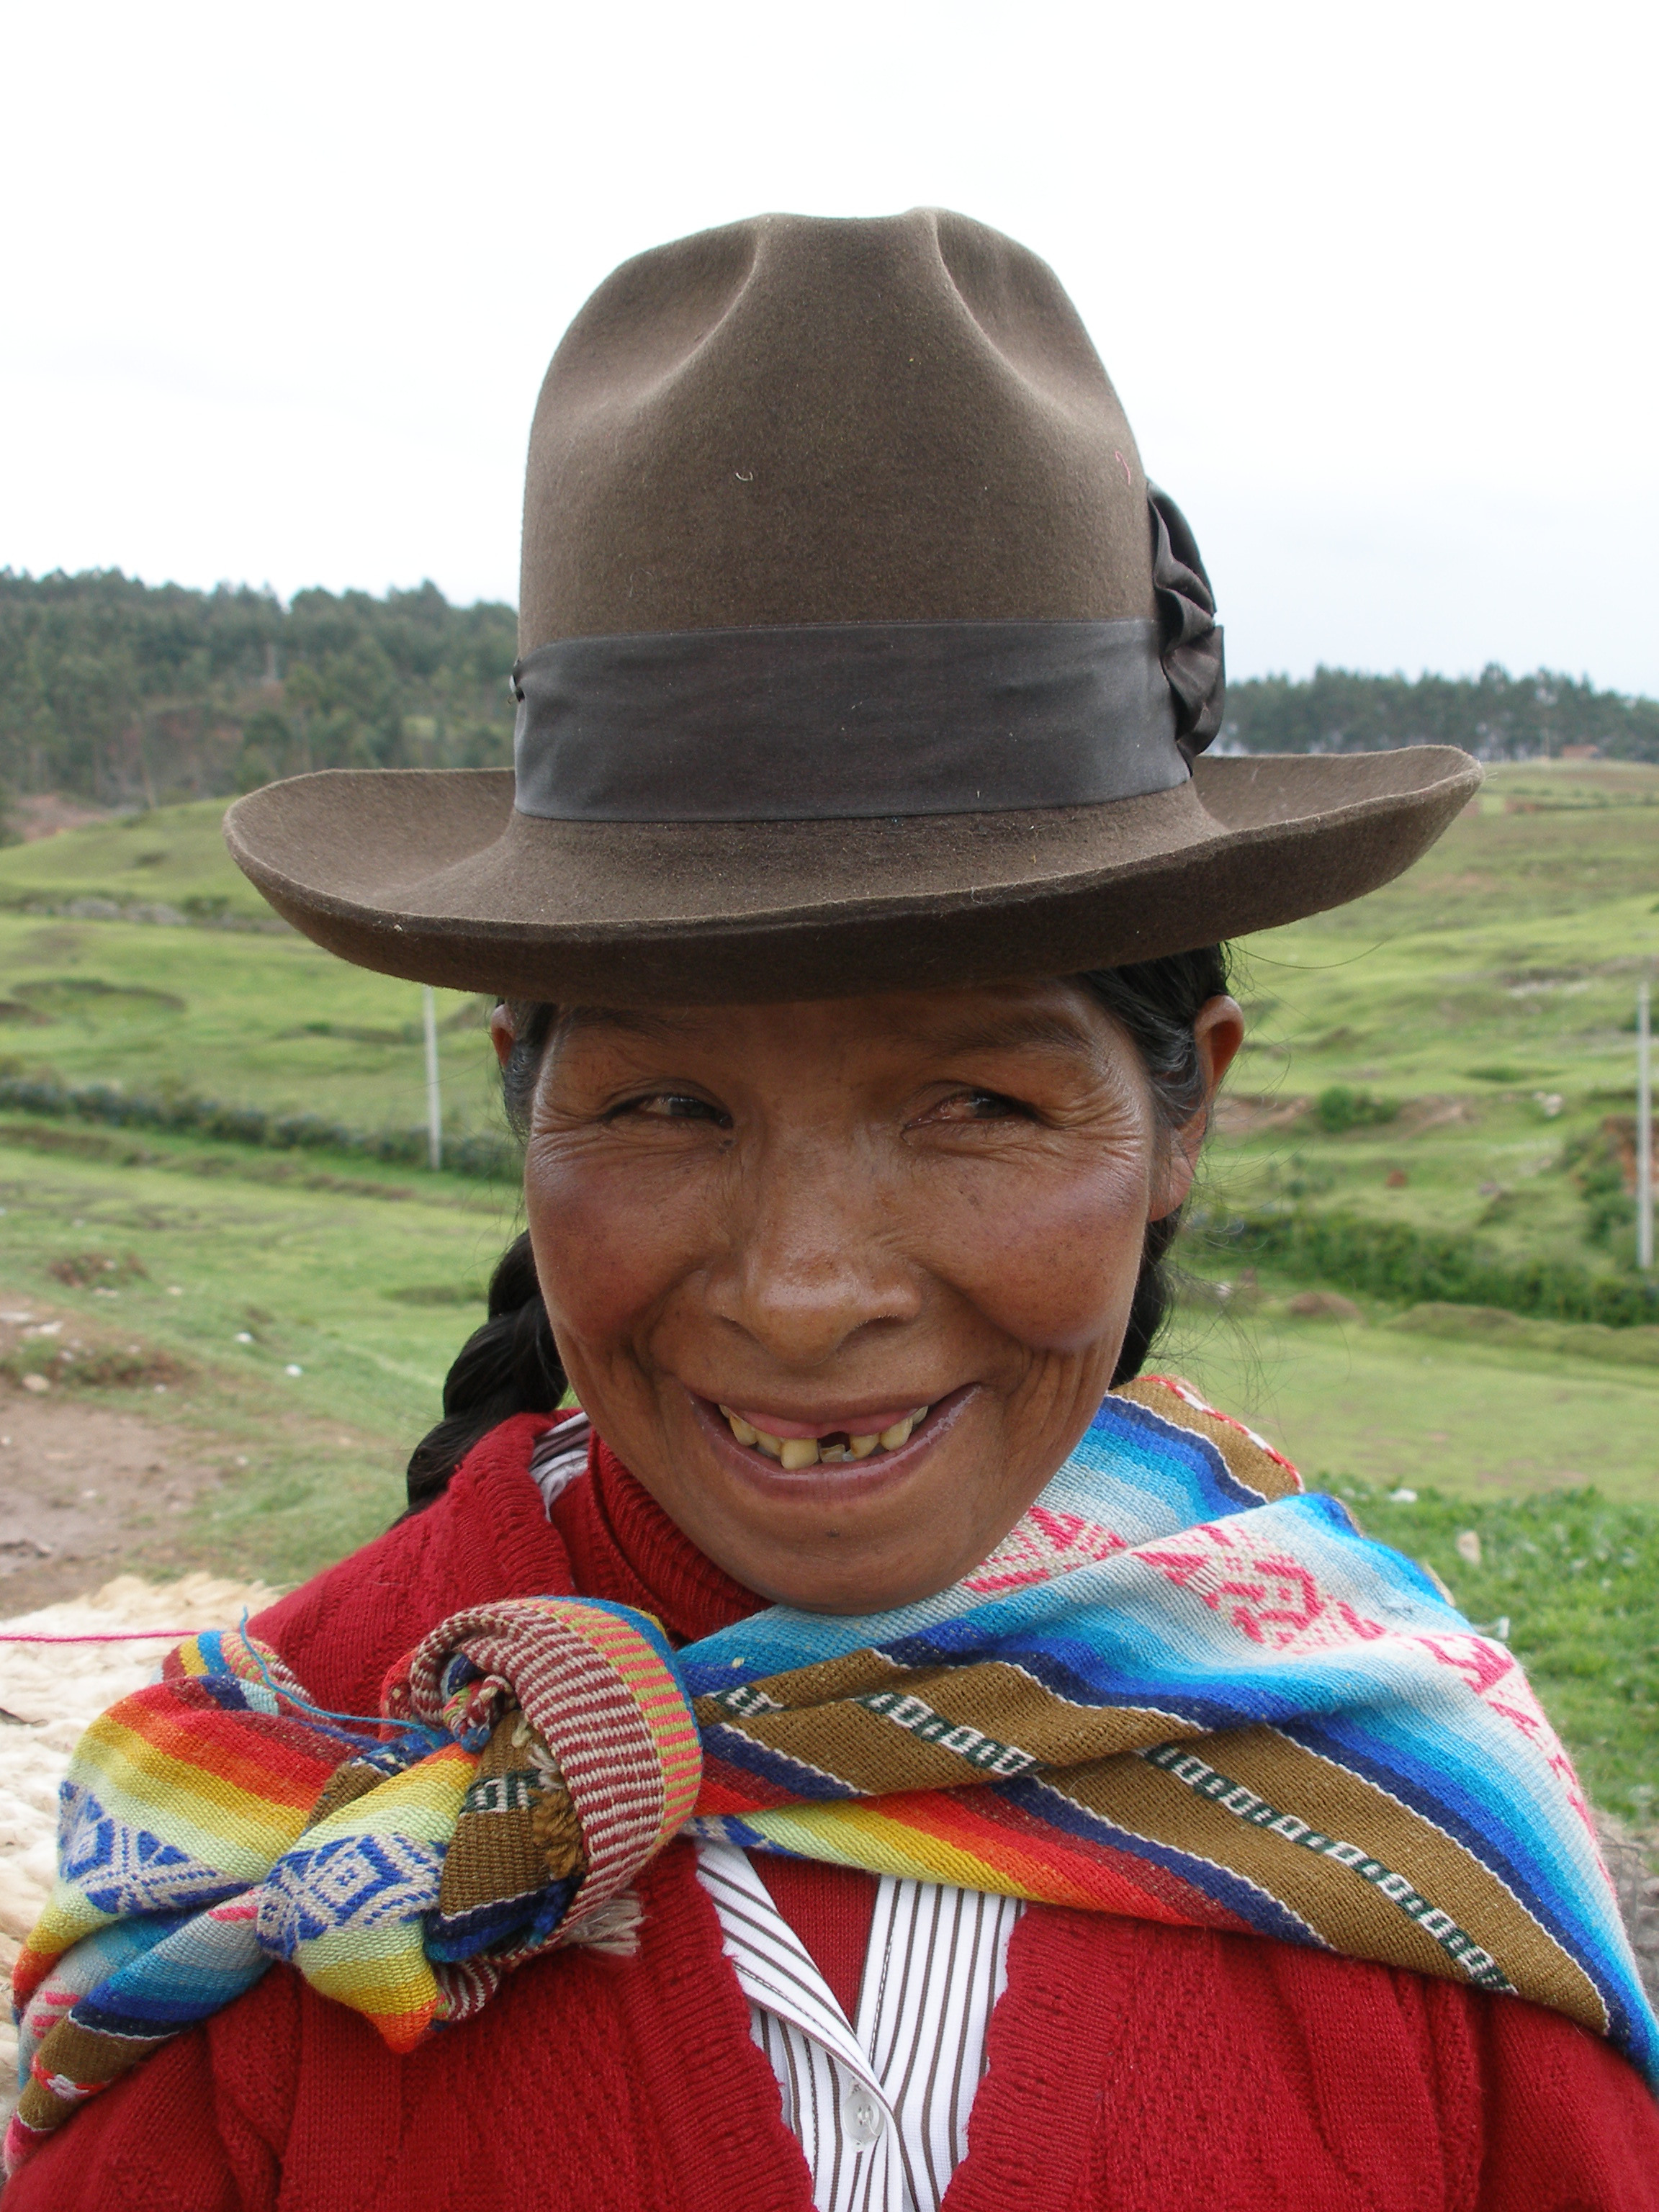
column 671, row 1106
column 979, row 1106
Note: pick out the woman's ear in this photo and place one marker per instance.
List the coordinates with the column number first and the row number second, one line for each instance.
column 502, row 1035
column 1217, row 1033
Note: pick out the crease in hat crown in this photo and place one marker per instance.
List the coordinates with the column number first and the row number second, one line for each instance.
column 856, row 653
column 799, row 420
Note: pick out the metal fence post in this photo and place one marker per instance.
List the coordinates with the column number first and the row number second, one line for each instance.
column 1644, row 1123
column 434, row 1125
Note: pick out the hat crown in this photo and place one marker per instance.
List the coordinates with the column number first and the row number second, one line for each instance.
column 796, row 420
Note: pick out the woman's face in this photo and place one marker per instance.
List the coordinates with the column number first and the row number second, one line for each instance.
column 803, row 1223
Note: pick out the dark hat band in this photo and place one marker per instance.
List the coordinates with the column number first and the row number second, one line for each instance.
column 838, row 720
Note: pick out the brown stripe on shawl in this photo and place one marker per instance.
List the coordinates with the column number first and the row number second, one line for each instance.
column 1341, row 1906
column 877, row 1756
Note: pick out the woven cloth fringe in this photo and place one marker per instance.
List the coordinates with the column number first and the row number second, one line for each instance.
column 1181, row 1690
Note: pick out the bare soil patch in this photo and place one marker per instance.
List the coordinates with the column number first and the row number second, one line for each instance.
column 43, row 813
column 1239, row 1113
column 1419, row 1115
column 1633, row 1857
column 1325, row 1305
column 86, row 1487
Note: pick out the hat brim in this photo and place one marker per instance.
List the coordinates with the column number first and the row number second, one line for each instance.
column 432, row 875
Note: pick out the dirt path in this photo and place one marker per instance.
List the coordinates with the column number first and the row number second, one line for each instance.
column 86, row 1487
column 118, row 1454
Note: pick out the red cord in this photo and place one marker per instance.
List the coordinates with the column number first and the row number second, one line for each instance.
column 112, row 1636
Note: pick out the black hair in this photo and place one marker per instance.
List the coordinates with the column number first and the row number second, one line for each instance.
column 511, row 1364
column 1157, row 1002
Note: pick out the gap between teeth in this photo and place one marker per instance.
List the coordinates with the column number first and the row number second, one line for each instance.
column 794, row 1453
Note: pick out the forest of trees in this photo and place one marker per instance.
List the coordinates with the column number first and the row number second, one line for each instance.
column 1495, row 714
column 127, row 694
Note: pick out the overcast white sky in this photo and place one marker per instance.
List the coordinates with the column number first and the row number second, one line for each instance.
column 1376, row 283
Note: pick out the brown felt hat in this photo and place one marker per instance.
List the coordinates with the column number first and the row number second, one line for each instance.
column 856, row 653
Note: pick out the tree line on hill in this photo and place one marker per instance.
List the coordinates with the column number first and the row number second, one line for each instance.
column 127, row 694
column 1496, row 715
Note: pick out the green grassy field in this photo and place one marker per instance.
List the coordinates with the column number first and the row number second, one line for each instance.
column 1478, row 1015
column 225, row 1282
column 174, row 857
column 1392, row 1404
column 242, row 1016
column 1489, row 998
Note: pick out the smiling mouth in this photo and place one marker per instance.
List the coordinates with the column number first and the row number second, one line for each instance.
column 828, row 1448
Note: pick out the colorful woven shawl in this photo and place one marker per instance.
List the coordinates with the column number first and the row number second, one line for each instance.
column 1181, row 1690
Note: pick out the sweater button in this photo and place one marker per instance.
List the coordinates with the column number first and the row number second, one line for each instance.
column 862, row 2117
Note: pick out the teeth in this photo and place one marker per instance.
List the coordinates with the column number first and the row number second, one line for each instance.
column 797, row 1452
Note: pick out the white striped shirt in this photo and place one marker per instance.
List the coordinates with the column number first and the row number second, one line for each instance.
column 880, row 2103
column 560, row 1455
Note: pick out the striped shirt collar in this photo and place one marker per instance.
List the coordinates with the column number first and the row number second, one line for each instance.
column 880, row 2103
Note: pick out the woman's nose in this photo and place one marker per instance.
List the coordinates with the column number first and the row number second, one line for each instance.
column 816, row 1255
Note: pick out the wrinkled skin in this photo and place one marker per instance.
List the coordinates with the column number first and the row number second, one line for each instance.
column 823, row 1213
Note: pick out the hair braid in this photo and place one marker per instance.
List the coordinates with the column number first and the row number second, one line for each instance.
column 511, row 1365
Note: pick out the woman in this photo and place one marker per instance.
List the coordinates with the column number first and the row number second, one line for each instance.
column 878, row 1753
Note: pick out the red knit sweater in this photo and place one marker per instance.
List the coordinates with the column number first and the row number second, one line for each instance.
column 1133, row 2067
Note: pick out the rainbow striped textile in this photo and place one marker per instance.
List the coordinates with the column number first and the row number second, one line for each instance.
column 1182, row 1689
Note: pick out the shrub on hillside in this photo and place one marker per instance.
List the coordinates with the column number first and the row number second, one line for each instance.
column 1393, row 1260
column 488, row 1157
column 1340, row 1107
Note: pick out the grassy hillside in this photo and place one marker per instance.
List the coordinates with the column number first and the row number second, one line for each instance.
column 1504, row 958
column 246, row 1016
column 1479, row 1015
column 174, row 857
column 268, row 1021
column 1452, row 1057
column 1486, row 998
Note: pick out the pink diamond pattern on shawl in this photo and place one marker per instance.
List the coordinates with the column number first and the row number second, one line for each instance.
column 1279, row 1603
column 1273, row 1600
column 1497, row 1678
column 1039, row 1546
